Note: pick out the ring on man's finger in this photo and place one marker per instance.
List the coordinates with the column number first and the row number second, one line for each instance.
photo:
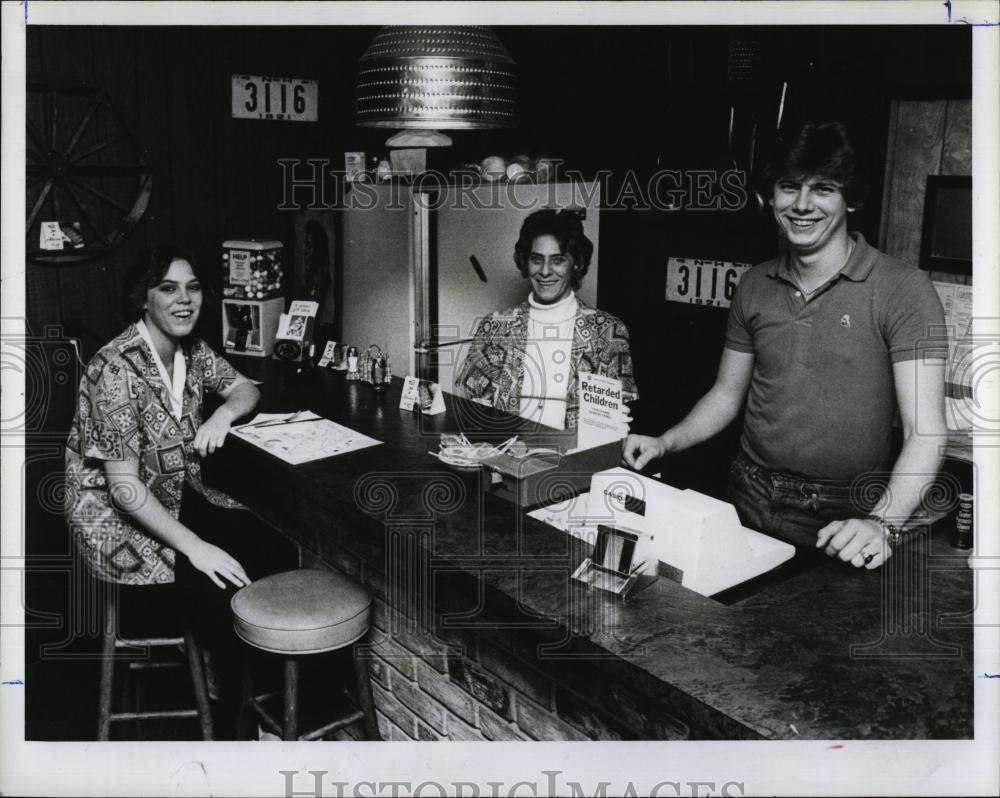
column 869, row 558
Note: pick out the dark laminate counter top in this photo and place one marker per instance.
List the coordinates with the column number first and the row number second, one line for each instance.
column 826, row 651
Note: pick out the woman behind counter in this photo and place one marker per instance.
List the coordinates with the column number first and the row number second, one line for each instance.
column 135, row 498
column 525, row 360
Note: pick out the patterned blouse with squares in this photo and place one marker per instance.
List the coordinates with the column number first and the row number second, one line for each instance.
column 123, row 413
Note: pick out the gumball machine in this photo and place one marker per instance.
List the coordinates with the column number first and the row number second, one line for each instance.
column 253, row 300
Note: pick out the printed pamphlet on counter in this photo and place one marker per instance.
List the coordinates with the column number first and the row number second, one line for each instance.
column 604, row 416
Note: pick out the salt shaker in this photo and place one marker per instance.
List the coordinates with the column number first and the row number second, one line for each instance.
column 352, row 363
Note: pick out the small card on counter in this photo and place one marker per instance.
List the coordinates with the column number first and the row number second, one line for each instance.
column 294, row 325
column 423, row 393
column 604, row 417
column 292, row 328
column 331, row 357
column 304, row 307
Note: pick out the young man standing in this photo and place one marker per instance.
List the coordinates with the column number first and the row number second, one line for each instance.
column 824, row 343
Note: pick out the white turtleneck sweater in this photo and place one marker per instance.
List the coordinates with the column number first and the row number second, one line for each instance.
column 547, row 360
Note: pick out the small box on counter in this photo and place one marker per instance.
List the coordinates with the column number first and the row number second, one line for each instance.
column 544, row 476
column 251, row 269
column 294, row 338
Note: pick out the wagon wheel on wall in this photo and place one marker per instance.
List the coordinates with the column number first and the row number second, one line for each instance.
column 85, row 170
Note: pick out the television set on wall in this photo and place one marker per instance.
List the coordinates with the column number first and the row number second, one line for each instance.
column 946, row 239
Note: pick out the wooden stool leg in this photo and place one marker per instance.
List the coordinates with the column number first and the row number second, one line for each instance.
column 193, row 651
column 107, row 675
column 366, row 701
column 123, row 699
column 291, row 725
column 138, row 701
column 244, row 713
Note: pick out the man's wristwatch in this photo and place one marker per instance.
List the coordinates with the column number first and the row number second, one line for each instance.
column 893, row 533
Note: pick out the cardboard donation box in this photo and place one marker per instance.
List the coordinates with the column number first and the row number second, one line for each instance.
column 544, row 475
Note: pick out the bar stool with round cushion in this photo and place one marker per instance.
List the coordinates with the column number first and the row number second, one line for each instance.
column 295, row 614
column 114, row 644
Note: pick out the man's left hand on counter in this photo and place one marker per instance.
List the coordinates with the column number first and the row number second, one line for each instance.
column 860, row 542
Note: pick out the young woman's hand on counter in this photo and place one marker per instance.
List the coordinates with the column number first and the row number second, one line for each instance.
column 241, row 398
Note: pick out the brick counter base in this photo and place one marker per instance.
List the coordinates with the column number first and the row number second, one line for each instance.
column 490, row 683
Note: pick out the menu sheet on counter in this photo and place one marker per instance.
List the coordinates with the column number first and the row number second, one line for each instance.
column 308, row 437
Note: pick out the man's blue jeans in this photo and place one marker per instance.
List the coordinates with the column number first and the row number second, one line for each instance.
column 791, row 507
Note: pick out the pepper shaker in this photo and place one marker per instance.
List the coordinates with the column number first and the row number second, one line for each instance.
column 377, row 369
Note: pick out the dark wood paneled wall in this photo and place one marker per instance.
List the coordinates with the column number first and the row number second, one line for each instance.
column 214, row 177
column 926, row 137
column 625, row 100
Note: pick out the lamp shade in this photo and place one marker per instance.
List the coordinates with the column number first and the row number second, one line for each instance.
column 447, row 78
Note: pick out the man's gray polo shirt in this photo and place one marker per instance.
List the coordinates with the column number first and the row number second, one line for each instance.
column 822, row 398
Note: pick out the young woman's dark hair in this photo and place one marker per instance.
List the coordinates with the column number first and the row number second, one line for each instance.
column 566, row 227
column 822, row 150
column 147, row 271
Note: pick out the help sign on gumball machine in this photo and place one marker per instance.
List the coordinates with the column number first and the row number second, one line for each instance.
column 252, row 296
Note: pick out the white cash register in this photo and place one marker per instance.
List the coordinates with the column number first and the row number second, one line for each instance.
column 698, row 540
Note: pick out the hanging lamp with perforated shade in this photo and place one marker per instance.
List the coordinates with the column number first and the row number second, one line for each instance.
column 436, row 78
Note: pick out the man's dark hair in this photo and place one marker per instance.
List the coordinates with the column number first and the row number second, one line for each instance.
column 820, row 150
column 147, row 271
column 566, row 227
